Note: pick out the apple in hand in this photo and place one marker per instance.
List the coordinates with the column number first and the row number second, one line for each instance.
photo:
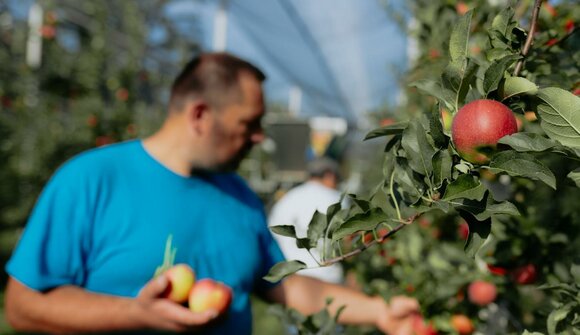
column 478, row 126
column 481, row 292
column 209, row 294
column 181, row 279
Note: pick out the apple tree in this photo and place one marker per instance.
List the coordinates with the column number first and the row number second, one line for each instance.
column 486, row 245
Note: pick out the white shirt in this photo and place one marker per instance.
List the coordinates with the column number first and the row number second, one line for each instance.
column 296, row 208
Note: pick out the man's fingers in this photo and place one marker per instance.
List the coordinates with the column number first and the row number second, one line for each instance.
column 183, row 316
column 402, row 306
column 154, row 287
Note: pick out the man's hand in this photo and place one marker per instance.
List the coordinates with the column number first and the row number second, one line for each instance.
column 164, row 314
column 72, row 310
column 396, row 318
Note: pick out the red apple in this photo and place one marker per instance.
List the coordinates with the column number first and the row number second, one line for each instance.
column 496, row 270
column 461, row 8
column 524, row 275
column 481, row 292
column 181, row 278
column 479, row 125
column 463, row 230
column 462, row 324
column 420, row 327
column 208, row 294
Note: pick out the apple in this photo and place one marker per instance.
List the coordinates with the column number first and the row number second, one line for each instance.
column 446, row 119
column 463, row 230
column 420, row 327
column 181, row 279
column 209, row 294
column 479, row 125
column 461, row 8
column 497, row 270
column 524, row 275
column 481, row 292
column 462, row 324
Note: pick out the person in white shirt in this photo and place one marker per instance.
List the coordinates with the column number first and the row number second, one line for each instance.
column 296, row 208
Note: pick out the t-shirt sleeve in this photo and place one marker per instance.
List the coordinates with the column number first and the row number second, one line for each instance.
column 50, row 251
column 271, row 254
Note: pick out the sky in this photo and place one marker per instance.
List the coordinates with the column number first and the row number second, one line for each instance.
column 337, row 58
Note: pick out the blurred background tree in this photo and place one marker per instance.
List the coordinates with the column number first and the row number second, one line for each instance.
column 77, row 75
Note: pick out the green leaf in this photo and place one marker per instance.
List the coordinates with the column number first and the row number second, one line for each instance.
column 360, row 222
column 502, row 21
column 284, row 230
column 522, row 164
column 459, row 41
column 458, row 78
column 504, row 207
column 560, row 115
column 526, row 142
column 419, row 151
column 442, row 164
column 496, row 72
column 575, row 176
column 465, row 186
column 478, row 233
column 485, row 208
column 333, row 209
column 316, row 228
column 513, row 86
column 497, row 53
column 575, row 271
column 304, row 243
column 556, row 316
column 435, row 89
column 283, row 269
column 364, row 205
column 436, row 129
column 392, row 129
column 404, row 177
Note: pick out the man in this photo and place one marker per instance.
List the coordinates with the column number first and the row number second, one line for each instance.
column 98, row 231
column 296, row 208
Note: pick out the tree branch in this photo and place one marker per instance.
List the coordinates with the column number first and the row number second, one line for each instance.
column 370, row 244
column 529, row 40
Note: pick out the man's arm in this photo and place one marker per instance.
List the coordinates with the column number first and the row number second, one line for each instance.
column 308, row 295
column 71, row 309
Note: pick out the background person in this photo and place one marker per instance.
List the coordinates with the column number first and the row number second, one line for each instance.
column 296, row 208
column 98, row 231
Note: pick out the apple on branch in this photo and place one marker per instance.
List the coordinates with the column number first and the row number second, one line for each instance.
column 462, row 324
column 478, row 126
column 481, row 292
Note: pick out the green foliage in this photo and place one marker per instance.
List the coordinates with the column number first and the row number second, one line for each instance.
column 502, row 205
column 100, row 80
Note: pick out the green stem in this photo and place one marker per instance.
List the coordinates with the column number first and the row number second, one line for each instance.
column 393, row 197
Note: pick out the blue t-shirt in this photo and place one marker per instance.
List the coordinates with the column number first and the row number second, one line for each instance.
column 103, row 219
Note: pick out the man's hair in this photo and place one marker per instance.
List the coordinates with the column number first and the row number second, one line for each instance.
column 213, row 77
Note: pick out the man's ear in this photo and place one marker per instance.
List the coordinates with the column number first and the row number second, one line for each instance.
column 197, row 115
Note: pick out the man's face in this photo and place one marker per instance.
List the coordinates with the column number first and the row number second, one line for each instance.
column 237, row 126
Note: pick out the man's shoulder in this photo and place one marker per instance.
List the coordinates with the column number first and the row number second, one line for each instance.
column 103, row 154
column 93, row 161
